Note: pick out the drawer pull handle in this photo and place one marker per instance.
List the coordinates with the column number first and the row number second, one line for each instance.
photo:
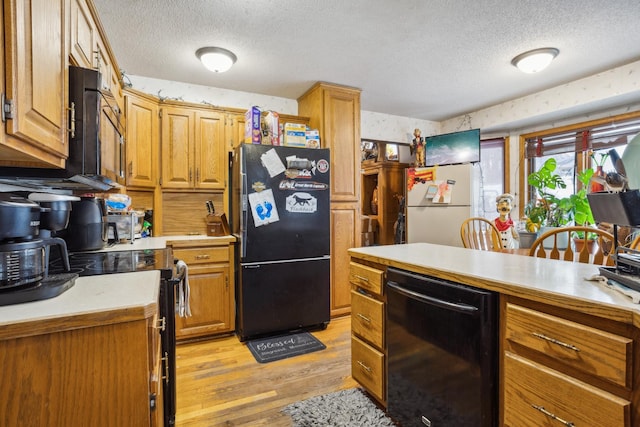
column 364, row 279
column 553, row 416
column 363, row 317
column 555, row 341
column 365, row 367
column 205, row 256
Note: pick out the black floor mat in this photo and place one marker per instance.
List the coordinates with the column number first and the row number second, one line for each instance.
column 283, row 346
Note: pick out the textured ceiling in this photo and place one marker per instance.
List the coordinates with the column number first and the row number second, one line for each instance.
column 424, row 59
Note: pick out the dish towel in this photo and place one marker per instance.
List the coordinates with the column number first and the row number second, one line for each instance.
column 612, row 284
column 183, row 308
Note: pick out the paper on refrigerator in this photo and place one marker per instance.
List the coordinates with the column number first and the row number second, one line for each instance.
column 263, row 207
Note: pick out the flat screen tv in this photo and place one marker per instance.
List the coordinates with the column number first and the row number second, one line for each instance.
column 453, row 148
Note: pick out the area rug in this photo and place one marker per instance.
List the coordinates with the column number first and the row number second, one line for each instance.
column 345, row 408
column 283, row 346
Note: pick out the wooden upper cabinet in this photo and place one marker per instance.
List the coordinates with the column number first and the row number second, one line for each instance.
column 35, row 82
column 89, row 48
column 335, row 111
column 142, row 140
column 83, row 34
column 177, row 141
column 210, row 150
column 193, row 148
column 235, row 130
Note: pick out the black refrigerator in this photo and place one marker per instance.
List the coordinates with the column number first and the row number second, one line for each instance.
column 280, row 215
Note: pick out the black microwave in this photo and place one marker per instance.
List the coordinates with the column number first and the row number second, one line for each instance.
column 96, row 141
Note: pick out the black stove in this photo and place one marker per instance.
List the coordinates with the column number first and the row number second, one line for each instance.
column 112, row 262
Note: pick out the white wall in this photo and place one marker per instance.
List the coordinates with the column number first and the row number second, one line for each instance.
column 211, row 95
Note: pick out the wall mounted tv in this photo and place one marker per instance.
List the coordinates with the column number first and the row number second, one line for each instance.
column 453, row 148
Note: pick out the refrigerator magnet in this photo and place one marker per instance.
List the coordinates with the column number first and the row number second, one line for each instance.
column 301, row 203
column 443, row 195
column 432, row 190
column 263, row 208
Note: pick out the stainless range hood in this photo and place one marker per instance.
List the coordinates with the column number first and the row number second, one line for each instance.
column 96, row 147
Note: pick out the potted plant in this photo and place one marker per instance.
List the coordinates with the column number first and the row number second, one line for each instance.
column 580, row 212
column 548, row 210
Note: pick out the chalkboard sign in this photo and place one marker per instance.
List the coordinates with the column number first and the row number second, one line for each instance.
column 453, row 148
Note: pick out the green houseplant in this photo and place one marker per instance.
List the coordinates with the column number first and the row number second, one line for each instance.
column 548, row 210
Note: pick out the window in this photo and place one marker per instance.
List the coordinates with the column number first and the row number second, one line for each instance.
column 492, row 172
column 571, row 146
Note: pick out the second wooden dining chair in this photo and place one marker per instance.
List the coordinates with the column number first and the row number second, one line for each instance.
column 480, row 233
column 580, row 251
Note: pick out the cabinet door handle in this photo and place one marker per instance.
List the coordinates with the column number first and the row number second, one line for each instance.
column 365, row 367
column 364, row 279
column 363, row 317
column 552, row 416
column 162, row 324
column 204, row 256
column 165, row 359
column 555, row 341
column 190, row 175
column 72, row 119
column 197, row 174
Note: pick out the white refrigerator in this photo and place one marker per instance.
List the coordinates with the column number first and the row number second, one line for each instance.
column 438, row 204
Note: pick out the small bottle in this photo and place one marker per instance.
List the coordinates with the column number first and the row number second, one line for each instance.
column 374, row 201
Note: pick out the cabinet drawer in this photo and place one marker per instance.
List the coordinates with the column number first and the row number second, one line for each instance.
column 595, row 352
column 367, row 317
column 535, row 394
column 367, row 278
column 367, row 367
column 202, row 255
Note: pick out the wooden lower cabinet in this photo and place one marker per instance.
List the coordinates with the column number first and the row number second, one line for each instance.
column 535, row 395
column 368, row 354
column 560, row 367
column 211, row 281
column 105, row 375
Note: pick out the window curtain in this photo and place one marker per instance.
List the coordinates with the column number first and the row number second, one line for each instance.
column 583, row 139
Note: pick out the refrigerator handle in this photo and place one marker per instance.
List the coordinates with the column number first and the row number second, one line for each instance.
column 244, row 215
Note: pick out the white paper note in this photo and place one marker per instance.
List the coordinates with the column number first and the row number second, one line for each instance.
column 272, row 162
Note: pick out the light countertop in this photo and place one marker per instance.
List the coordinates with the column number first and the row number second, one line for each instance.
column 95, row 300
column 554, row 282
column 161, row 242
column 91, row 300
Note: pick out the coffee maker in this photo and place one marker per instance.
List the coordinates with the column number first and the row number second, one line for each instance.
column 24, row 253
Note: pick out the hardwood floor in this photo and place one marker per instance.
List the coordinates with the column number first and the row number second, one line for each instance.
column 219, row 383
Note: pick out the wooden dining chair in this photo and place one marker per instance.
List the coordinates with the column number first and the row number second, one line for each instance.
column 635, row 243
column 480, row 233
column 583, row 249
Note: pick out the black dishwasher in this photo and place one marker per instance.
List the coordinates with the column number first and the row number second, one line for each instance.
column 441, row 340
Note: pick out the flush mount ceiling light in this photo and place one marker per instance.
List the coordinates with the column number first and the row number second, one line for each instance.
column 216, row 59
column 535, row 60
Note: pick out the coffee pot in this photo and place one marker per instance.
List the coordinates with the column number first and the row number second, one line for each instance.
column 54, row 217
column 24, row 253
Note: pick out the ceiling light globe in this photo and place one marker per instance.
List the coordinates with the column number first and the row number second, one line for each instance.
column 216, row 59
column 535, row 60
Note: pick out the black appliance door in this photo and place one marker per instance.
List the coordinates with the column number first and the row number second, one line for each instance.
column 284, row 216
column 442, row 352
column 283, row 296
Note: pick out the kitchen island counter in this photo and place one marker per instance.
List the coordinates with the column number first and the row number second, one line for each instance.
column 554, row 282
column 567, row 345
